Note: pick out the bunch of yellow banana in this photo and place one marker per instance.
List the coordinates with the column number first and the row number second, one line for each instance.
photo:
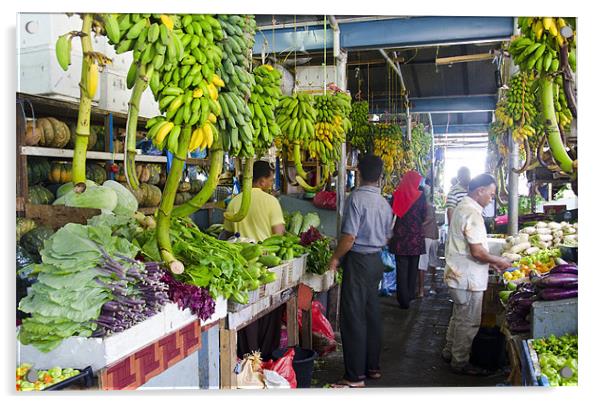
column 265, row 98
column 188, row 94
column 237, row 48
column 564, row 116
column 539, row 45
column 388, row 146
column 360, row 136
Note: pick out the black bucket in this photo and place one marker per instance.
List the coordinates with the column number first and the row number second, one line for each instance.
column 303, row 364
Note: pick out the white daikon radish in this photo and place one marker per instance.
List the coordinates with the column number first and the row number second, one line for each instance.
column 520, row 247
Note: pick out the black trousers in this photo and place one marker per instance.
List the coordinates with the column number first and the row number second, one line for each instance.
column 261, row 335
column 361, row 327
column 407, row 273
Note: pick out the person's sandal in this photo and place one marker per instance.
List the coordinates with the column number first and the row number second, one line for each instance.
column 346, row 383
column 374, row 374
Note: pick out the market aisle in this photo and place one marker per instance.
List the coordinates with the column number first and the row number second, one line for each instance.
column 412, row 342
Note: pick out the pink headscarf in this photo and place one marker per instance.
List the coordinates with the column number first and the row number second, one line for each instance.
column 406, row 193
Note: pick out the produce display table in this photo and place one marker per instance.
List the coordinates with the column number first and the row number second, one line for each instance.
column 128, row 360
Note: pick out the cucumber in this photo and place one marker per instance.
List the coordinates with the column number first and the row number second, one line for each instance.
column 270, row 260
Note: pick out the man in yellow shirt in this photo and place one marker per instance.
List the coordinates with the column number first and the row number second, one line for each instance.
column 265, row 217
column 263, row 220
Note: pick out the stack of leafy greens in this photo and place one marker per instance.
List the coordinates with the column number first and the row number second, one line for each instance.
column 318, row 247
column 83, row 267
column 216, row 265
column 558, row 359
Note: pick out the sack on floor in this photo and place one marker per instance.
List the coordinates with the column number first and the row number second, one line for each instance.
column 388, row 260
column 388, row 285
column 284, row 367
column 251, row 373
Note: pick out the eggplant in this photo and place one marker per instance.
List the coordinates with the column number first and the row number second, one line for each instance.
column 564, row 269
column 571, row 285
column 557, row 294
column 556, row 280
column 519, row 295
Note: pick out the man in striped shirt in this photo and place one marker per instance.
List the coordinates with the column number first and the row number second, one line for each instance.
column 457, row 191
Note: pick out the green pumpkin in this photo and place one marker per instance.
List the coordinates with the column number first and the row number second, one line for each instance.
column 38, row 169
column 96, row 172
column 38, row 195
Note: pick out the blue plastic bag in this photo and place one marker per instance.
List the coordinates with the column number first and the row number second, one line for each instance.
column 388, row 285
column 388, row 259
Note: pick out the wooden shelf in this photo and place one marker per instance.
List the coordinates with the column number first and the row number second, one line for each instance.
column 95, row 155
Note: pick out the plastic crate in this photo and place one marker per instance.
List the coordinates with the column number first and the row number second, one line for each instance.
column 299, row 265
column 287, row 274
column 235, row 306
column 273, row 287
column 84, row 378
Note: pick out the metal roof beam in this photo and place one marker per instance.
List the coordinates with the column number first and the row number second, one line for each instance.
column 442, row 105
column 389, row 33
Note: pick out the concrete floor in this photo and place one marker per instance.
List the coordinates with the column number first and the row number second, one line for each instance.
column 412, row 343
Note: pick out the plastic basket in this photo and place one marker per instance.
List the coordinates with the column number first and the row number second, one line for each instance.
column 235, row 306
column 273, row 287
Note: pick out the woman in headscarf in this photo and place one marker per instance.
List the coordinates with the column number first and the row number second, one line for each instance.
column 407, row 243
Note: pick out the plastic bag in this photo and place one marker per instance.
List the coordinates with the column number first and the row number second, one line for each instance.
column 388, row 260
column 251, row 373
column 388, row 285
column 322, row 334
column 284, row 367
column 274, row 381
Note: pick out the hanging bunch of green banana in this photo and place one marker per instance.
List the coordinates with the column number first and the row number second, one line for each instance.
column 238, row 41
column 187, row 95
column 296, row 117
column 360, row 136
column 101, row 24
column 265, row 98
column 235, row 121
column 151, row 38
column 518, row 112
column 421, row 149
column 343, row 104
column 542, row 48
column 388, row 145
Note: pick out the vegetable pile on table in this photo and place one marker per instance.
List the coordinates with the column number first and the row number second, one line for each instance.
column 560, row 283
column 43, row 378
column 319, row 250
column 554, row 355
column 542, row 236
column 216, row 265
column 83, row 268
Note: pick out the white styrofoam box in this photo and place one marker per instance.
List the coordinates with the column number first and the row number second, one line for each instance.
column 39, row 73
column 221, row 311
column 114, row 94
column 41, row 30
column 237, row 318
column 319, row 283
column 312, row 77
column 79, row 352
column 149, row 108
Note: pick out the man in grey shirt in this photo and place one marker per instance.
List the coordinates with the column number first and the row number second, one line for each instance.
column 366, row 229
